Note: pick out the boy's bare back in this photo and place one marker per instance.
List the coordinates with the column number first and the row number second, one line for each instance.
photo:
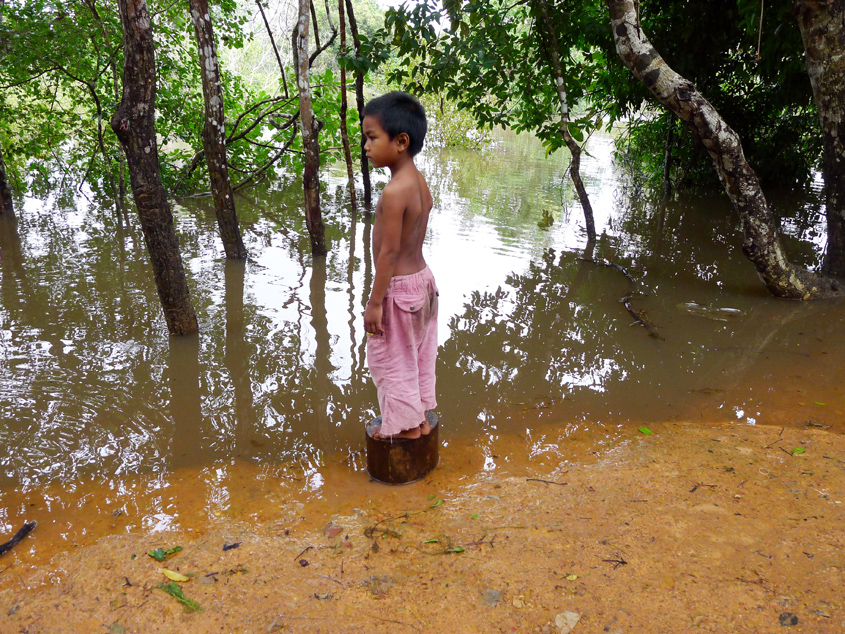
column 402, row 213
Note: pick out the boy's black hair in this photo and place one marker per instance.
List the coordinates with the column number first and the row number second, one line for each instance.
column 400, row 112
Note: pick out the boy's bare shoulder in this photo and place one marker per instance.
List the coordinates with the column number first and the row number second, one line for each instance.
column 401, row 188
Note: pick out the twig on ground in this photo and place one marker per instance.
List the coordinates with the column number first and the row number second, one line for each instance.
column 616, row 562
column 545, row 481
column 700, row 484
column 379, row 618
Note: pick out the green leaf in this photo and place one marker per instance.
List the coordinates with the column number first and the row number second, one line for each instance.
column 819, row 403
column 437, row 503
column 797, row 450
column 175, row 591
column 474, row 516
column 430, row 541
column 456, row 549
column 645, row 430
column 160, row 554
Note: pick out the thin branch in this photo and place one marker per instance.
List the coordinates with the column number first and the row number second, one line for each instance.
column 275, row 49
column 26, row 81
column 317, row 53
column 269, row 164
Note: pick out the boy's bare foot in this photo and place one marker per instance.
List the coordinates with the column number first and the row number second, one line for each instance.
column 425, row 428
column 410, row 434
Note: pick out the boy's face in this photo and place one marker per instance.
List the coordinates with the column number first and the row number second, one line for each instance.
column 380, row 148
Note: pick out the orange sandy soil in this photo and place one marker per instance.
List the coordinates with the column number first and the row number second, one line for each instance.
column 690, row 529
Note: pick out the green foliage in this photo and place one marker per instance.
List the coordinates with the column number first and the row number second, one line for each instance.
column 766, row 98
column 62, row 72
column 491, row 61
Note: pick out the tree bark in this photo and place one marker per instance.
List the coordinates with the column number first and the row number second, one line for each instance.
column 553, row 50
column 359, row 95
column 134, row 125
column 7, row 208
column 310, row 143
column 344, row 130
column 214, row 133
column 822, row 26
column 761, row 244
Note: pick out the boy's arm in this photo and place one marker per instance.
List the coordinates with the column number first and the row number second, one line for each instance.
column 392, row 212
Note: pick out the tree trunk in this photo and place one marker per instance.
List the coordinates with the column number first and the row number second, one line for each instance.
column 359, row 95
column 344, row 131
column 310, row 176
column 822, row 26
column 553, row 50
column 761, row 244
column 7, row 208
column 134, row 125
column 214, row 133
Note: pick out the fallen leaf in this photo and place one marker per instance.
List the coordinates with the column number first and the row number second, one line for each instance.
column 571, row 577
column 176, row 592
column 160, row 554
column 797, row 450
column 174, row 576
column 645, row 430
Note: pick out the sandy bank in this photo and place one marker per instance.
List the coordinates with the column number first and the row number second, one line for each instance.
column 714, row 529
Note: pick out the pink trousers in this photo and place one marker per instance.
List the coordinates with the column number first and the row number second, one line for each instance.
column 402, row 360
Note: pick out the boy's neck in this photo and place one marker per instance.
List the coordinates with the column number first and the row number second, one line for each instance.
column 402, row 163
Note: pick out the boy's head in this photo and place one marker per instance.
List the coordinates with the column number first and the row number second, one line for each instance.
column 399, row 112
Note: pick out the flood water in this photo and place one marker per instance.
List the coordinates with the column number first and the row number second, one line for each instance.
column 100, row 410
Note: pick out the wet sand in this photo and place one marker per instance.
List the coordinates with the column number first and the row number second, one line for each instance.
column 692, row 528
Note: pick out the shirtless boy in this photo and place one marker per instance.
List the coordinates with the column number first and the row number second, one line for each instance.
column 401, row 314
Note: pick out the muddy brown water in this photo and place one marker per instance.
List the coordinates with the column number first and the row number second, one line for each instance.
column 111, row 426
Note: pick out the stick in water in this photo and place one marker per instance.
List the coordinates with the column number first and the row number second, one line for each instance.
column 23, row 532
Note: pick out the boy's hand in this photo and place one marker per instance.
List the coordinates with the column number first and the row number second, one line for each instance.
column 372, row 319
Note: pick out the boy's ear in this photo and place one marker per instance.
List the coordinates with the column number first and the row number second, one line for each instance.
column 403, row 141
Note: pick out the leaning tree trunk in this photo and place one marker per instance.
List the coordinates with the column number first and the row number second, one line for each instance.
column 359, row 95
column 7, row 208
column 214, row 133
column 344, row 131
column 822, row 27
column 761, row 244
column 310, row 177
column 553, row 50
column 134, row 125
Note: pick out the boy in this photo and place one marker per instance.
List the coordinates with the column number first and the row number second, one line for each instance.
column 401, row 314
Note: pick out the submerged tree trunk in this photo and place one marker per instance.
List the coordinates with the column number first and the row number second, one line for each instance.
column 134, row 125
column 359, row 95
column 553, row 50
column 822, row 26
column 214, row 133
column 761, row 244
column 344, row 131
column 310, row 176
column 7, row 208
